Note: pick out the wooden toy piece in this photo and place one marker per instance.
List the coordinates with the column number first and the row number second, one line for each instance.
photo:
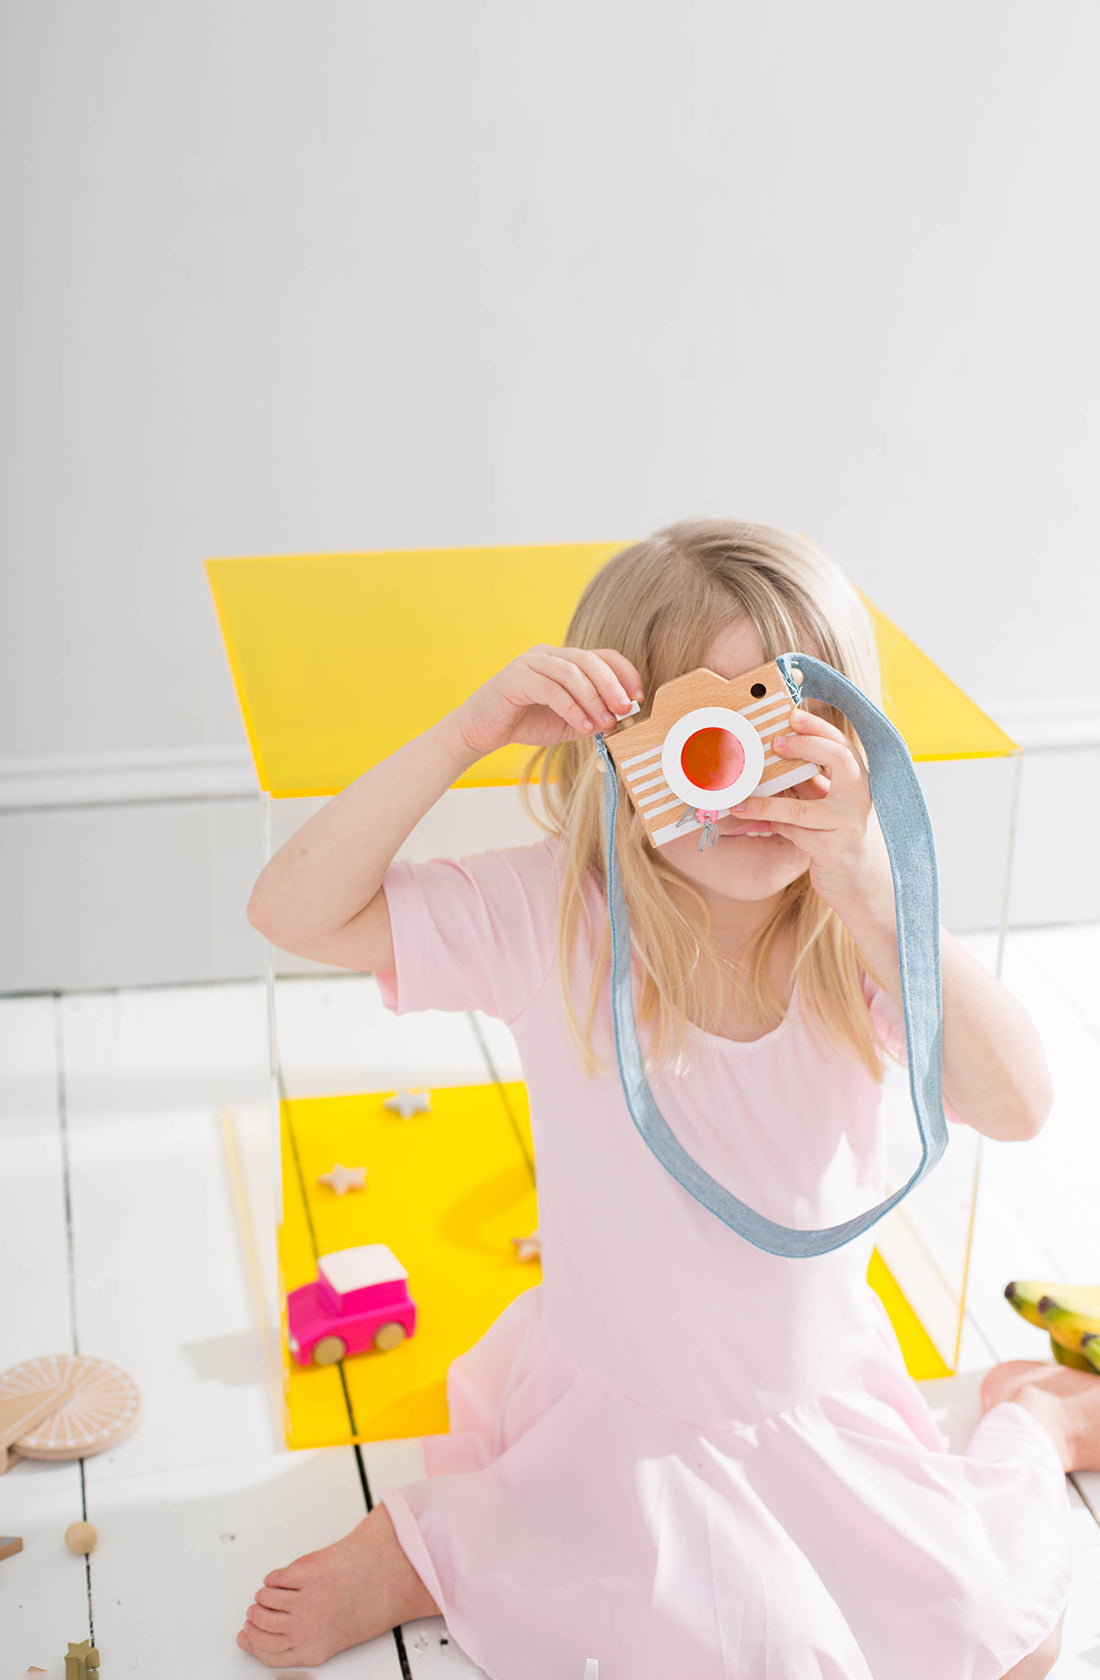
column 342, row 1179
column 81, row 1537
column 82, row 1661
column 99, row 1409
column 528, row 1248
column 9, row 1545
column 21, row 1411
column 706, row 744
column 408, row 1103
column 360, row 1299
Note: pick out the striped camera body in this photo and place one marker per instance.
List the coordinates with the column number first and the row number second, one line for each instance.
column 705, row 747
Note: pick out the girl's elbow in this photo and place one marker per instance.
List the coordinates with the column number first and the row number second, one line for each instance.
column 1033, row 1112
column 256, row 915
column 261, row 918
column 1041, row 1112
column 1015, row 1119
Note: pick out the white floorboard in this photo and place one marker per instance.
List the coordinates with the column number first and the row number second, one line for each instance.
column 205, row 1537
column 201, row 1502
column 36, row 1316
column 160, row 1288
column 43, row 1588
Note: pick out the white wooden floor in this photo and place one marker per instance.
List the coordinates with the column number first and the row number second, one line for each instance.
column 118, row 1238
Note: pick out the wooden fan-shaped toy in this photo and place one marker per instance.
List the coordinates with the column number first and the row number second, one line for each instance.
column 64, row 1406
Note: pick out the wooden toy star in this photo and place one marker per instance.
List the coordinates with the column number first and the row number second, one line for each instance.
column 82, row 1661
column 408, row 1103
column 344, row 1178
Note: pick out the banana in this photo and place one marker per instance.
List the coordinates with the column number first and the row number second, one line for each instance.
column 1068, row 1356
column 1068, row 1327
column 1069, row 1313
column 1025, row 1297
column 1077, row 1297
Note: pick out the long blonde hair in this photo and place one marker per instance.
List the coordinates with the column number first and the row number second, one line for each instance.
column 661, row 602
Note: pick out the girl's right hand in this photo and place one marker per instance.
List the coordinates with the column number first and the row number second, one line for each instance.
column 549, row 695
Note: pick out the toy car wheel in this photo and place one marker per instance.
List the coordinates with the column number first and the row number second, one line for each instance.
column 329, row 1351
column 390, row 1336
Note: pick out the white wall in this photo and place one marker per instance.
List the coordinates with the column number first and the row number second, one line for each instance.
column 287, row 278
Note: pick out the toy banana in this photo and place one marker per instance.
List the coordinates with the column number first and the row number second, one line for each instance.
column 1069, row 1313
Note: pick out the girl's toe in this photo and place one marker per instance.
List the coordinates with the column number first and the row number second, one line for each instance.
column 285, row 1578
column 270, row 1621
column 276, row 1598
column 265, row 1645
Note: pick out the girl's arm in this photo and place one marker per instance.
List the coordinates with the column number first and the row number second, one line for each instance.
column 321, row 895
column 995, row 1075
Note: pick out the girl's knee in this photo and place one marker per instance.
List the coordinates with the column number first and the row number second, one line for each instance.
column 1042, row 1659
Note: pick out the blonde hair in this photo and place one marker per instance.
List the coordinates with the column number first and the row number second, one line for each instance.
column 661, row 602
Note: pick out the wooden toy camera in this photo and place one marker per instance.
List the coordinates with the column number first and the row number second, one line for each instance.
column 705, row 747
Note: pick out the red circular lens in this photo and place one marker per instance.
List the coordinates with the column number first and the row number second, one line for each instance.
column 712, row 759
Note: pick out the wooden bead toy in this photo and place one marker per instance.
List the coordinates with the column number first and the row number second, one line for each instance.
column 80, row 1537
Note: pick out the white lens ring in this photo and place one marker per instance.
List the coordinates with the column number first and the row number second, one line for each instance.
column 712, row 717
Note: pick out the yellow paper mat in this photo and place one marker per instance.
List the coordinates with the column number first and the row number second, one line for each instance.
column 446, row 1191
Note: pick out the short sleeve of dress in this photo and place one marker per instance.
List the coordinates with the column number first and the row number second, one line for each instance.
column 888, row 1023
column 475, row 932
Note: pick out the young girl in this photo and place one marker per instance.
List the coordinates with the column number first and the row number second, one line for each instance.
column 682, row 1455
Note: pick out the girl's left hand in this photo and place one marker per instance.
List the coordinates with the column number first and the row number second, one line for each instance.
column 830, row 818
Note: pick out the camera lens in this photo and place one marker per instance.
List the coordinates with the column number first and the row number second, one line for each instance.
column 712, row 759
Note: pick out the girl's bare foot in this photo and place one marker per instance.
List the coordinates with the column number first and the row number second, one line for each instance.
column 1065, row 1402
column 360, row 1587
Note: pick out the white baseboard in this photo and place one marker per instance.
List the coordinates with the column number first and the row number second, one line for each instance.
column 140, row 776
column 1054, row 725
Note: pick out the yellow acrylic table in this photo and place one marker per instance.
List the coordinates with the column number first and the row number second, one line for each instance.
column 338, row 659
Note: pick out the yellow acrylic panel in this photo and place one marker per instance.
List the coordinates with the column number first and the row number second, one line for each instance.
column 339, row 659
column 935, row 717
column 917, row 1348
column 446, row 1191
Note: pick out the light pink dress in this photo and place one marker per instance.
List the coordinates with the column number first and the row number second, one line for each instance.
column 680, row 1455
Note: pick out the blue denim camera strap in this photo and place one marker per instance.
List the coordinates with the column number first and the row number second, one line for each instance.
column 903, row 817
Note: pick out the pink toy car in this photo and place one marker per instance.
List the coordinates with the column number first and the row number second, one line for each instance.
column 360, row 1300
